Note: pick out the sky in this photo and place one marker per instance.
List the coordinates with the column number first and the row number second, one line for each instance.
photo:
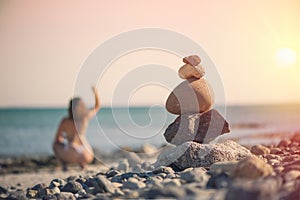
column 254, row 45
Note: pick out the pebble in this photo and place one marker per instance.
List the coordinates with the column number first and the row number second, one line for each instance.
column 57, row 182
column 273, row 156
column 39, row 187
column 291, row 175
column 284, row 143
column 133, row 184
column 227, row 166
column 112, row 173
column 195, row 175
column 123, row 165
column 65, row 195
column 163, row 169
column 105, row 184
column 260, row 150
column 72, row 187
column 249, row 178
column 171, row 182
column 252, row 168
column 218, row 180
column 31, row 193
column 276, row 150
column 149, row 148
column 133, row 159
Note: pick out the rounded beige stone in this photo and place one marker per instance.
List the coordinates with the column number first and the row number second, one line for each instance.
column 191, row 96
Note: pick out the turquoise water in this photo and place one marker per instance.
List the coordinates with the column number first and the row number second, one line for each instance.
column 32, row 130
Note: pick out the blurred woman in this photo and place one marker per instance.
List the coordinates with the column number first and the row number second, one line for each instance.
column 70, row 144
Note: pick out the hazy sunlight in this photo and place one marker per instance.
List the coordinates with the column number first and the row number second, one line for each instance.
column 286, row 57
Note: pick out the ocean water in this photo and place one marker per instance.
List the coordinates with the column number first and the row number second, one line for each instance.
column 30, row 131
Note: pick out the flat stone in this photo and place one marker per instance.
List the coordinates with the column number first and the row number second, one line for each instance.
column 252, row 168
column 193, row 154
column 201, row 128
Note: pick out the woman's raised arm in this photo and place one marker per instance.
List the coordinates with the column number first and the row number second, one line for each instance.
column 97, row 106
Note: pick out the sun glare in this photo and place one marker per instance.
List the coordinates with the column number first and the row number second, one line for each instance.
column 286, row 57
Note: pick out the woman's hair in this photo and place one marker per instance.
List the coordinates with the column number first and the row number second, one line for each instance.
column 72, row 105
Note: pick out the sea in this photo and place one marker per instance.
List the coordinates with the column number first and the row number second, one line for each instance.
column 31, row 131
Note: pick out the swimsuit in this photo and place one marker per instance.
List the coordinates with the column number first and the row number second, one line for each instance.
column 78, row 148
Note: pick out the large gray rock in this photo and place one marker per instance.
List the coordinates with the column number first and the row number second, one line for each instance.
column 193, row 154
column 197, row 127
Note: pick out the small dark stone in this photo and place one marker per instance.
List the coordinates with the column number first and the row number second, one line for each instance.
column 39, row 187
column 112, row 173
column 57, row 183
column 72, row 187
column 3, row 190
column 195, row 175
column 219, row 180
column 163, row 169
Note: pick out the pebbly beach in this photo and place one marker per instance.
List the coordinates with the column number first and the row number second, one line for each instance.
column 258, row 172
column 194, row 164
